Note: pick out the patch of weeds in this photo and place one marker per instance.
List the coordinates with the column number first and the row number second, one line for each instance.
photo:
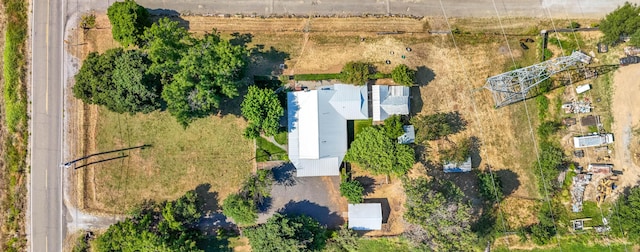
column 267, row 151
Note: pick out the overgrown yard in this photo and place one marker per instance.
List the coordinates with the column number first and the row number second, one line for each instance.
column 447, row 83
column 211, row 151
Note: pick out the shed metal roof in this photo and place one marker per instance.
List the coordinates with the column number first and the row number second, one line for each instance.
column 366, row 216
column 389, row 100
column 454, row 167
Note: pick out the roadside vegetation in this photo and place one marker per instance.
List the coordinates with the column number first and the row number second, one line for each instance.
column 623, row 21
column 14, row 154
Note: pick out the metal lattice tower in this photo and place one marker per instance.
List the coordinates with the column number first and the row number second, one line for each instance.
column 513, row 86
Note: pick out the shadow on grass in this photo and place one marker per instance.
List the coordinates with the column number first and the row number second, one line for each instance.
column 509, row 180
column 424, row 75
column 367, row 182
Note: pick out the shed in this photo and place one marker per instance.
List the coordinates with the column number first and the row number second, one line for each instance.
column 365, row 216
column 589, row 120
column 409, row 135
column 583, row 88
column 455, row 167
column 389, row 100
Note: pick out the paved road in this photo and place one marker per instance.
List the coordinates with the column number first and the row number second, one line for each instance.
column 46, row 209
column 454, row 8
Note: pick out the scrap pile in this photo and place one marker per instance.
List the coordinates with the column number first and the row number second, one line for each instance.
column 580, row 182
column 577, row 107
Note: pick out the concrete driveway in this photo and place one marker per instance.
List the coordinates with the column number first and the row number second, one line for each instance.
column 318, row 197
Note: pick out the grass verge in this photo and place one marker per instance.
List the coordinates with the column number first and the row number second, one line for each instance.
column 316, row 77
column 267, row 151
column 281, row 138
column 15, row 120
column 384, row 244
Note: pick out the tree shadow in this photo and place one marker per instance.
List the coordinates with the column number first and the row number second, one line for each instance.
column 384, row 204
column 424, row 75
column 241, row 39
column 509, row 180
column 320, row 213
column 173, row 15
column 415, row 101
column 266, row 61
column 474, row 152
column 466, row 181
column 456, row 122
column 284, row 175
column 367, row 182
column 209, row 200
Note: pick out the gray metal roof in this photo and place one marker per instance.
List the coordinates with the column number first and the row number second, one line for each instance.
column 389, row 100
column 318, row 127
column 409, row 135
column 366, row 216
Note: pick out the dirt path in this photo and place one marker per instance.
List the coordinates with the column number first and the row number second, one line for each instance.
column 626, row 114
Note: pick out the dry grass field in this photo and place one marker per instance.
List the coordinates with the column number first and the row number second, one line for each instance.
column 451, row 80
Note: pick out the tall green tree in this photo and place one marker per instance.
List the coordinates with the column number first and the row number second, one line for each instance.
column 209, row 72
column 352, row 190
column 373, row 150
column 623, row 20
column 490, row 186
column 170, row 226
column 118, row 80
column 393, row 126
column 128, row 20
column 441, row 219
column 165, row 41
column 458, row 153
column 287, row 234
column 437, row 126
column 263, row 109
column 242, row 210
column 403, row 75
column 627, row 216
column 134, row 89
column 94, row 81
column 355, row 72
column 343, row 240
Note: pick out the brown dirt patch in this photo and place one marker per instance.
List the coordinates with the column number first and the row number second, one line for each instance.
column 626, row 112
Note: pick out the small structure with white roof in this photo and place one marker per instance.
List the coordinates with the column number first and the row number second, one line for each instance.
column 409, row 135
column 465, row 166
column 365, row 216
column 592, row 140
column 389, row 100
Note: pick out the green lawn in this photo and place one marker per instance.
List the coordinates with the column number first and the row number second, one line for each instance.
column 281, row 138
column 383, row 244
column 359, row 125
column 576, row 247
column 267, row 151
column 210, row 151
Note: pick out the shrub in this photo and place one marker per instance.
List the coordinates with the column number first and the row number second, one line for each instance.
column 128, row 20
column 352, row 190
column 403, row 75
column 88, row 21
column 393, row 126
column 355, row 72
column 574, row 25
column 242, row 211
column 490, row 187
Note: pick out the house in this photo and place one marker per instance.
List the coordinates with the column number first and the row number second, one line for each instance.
column 389, row 100
column 366, row 216
column 592, row 140
column 317, row 122
column 409, row 135
column 458, row 167
column 317, row 125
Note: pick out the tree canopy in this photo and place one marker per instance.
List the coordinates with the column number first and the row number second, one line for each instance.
column 165, row 41
column 262, row 108
column 624, row 20
column 243, row 211
column 436, row 126
column 118, row 80
column 490, row 186
column 168, row 226
column 373, row 150
column 209, row 72
column 403, row 75
column 393, row 126
column 355, row 72
column 352, row 190
column 243, row 206
column 628, row 216
column 440, row 218
column 458, row 153
column 128, row 20
column 283, row 233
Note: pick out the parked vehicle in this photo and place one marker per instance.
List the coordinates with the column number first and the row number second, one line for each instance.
column 524, row 46
column 629, row 60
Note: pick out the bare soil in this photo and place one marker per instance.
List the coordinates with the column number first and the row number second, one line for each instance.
column 626, row 112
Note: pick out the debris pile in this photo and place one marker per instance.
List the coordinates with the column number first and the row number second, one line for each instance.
column 577, row 107
column 580, row 182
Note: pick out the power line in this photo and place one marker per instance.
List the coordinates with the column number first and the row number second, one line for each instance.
column 533, row 138
column 477, row 118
